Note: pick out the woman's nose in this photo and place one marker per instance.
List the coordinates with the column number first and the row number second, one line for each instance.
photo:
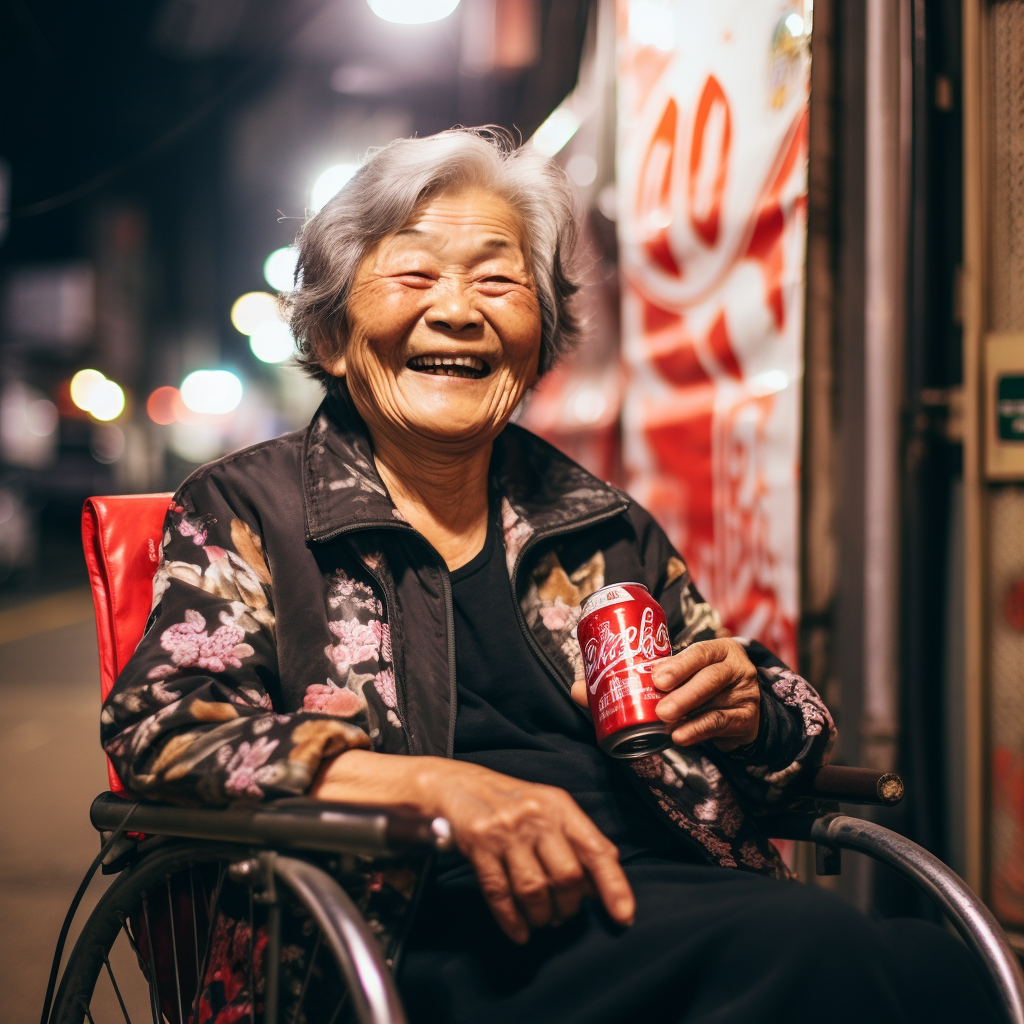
column 453, row 310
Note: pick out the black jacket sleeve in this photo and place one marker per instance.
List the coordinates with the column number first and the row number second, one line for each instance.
column 190, row 718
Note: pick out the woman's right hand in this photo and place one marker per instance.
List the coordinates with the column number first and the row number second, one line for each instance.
column 535, row 853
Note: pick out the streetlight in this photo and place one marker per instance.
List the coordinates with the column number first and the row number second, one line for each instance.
column 412, row 12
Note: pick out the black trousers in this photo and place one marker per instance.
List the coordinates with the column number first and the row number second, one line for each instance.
column 709, row 946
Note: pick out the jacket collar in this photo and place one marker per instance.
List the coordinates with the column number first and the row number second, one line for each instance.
column 342, row 490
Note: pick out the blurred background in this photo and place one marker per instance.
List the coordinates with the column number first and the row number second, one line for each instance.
column 804, row 345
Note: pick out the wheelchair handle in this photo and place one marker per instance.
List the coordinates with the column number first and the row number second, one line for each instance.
column 857, row 785
column 294, row 823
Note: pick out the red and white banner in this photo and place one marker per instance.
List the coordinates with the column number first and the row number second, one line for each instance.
column 712, row 180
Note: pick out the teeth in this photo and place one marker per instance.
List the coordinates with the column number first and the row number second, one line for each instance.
column 445, row 363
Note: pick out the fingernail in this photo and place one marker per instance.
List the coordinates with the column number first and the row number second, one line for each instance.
column 659, row 677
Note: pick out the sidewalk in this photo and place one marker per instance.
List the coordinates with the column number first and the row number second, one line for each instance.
column 51, row 767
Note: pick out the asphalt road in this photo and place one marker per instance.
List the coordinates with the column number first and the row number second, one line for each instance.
column 51, row 767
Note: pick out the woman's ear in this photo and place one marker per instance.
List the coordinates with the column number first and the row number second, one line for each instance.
column 337, row 368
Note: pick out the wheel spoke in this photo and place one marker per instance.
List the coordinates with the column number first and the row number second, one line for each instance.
column 154, row 982
column 195, row 926
column 252, row 962
column 174, row 953
column 309, row 974
column 117, row 991
column 211, row 925
column 338, row 1008
column 272, row 964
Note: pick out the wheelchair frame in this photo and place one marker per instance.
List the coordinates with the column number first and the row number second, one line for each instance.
column 249, row 840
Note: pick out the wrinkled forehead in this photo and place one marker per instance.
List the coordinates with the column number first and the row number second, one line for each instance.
column 469, row 222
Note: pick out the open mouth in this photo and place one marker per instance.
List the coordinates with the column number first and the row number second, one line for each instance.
column 450, row 366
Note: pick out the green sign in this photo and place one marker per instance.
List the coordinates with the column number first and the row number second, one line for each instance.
column 1010, row 408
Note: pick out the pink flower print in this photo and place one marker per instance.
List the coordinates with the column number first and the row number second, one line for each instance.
column 189, row 528
column 556, row 616
column 330, row 699
column 385, row 642
column 516, row 532
column 242, row 768
column 357, row 642
column 191, row 646
column 384, row 683
column 214, row 553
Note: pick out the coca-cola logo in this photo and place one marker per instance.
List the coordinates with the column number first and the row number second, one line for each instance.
column 633, row 647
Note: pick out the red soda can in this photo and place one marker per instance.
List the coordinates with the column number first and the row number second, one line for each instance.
column 622, row 633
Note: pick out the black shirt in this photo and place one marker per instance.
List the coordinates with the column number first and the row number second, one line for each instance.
column 514, row 718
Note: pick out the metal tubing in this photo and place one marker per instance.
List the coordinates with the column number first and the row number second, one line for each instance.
column 971, row 918
column 370, row 984
column 883, row 345
column 295, row 825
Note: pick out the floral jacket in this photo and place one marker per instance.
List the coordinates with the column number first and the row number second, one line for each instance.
column 297, row 615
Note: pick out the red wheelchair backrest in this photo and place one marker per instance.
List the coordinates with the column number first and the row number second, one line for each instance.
column 121, row 536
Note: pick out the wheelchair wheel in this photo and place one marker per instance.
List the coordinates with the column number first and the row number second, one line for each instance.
column 216, row 941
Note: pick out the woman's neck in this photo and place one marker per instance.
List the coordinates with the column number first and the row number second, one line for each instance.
column 442, row 495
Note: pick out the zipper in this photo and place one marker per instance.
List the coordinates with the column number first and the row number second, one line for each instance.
column 449, row 614
column 453, row 686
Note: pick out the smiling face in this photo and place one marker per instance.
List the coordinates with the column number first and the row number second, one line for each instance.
column 444, row 324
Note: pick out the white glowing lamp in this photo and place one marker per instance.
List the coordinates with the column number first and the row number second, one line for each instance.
column 252, row 309
column 272, row 342
column 279, row 268
column 329, row 184
column 211, row 392
column 412, row 12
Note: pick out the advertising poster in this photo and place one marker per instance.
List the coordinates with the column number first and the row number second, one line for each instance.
column 712, row 179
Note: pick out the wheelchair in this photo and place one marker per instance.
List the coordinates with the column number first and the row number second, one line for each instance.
column 262, row 904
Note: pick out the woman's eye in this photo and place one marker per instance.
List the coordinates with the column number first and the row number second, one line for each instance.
column 498, row 279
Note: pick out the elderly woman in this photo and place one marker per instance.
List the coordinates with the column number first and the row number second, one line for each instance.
column 380, row 610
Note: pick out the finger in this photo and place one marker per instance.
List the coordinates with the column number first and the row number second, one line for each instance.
column 566, row 875
column 600, row 858
column 707, row 684
column 715, row 723
column 579, row 693
column 497, row 891
column 672, row 672
column 530, row 887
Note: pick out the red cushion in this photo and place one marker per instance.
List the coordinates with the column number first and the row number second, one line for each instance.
column 121, row 536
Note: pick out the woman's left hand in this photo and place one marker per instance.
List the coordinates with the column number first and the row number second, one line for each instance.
column 712, row 693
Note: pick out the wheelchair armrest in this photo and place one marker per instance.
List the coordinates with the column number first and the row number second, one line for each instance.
column 965, row 911
column 294, row 823
column 857, row 785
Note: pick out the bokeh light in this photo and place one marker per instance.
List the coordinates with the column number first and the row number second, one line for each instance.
column 412, row 12
column 107, row 443
column 330, row 183
column 82, row 386
column 272, row 342
column 160, row 406
column 252, row 309
column 213, row 392
column 279, row 268
column 106, row 401
column 42, row 417
column 560, row 126
column 93, row 393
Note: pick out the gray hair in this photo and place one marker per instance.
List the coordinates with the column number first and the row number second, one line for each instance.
column 383, row 195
